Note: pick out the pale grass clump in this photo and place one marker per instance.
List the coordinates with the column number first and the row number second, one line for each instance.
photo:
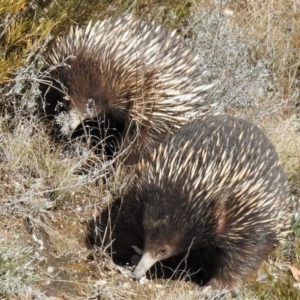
column 150, row 290
column 224, row 53
column 32, row 167
column 28, row 293
column 18, row 261
column 15, row 259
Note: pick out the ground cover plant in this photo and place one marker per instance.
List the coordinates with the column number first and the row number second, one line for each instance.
column 249, row 49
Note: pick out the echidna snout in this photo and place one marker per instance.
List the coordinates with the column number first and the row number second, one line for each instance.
column 72, row 120
column 150, row 258
column 144, row 265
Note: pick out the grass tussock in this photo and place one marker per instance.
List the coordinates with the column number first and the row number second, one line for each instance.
column 15, row 263
column 25, row 25
column 249, row 49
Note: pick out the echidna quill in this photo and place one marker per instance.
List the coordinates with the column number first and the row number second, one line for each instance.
column 215, row 184
column 131, row 78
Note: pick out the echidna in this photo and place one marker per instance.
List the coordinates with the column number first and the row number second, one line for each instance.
column 215, row 185
column 131, row 78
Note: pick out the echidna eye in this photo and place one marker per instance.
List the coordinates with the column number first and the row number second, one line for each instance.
column 162, row 251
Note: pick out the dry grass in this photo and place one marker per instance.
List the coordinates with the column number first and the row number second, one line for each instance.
column 250, row 49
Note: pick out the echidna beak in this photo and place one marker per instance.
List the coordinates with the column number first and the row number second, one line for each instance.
column 71, row 122
column 144, row 265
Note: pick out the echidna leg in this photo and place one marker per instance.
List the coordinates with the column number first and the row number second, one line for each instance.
column 229, row 272
column 233, row 268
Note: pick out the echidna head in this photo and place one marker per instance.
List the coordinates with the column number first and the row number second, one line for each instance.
column 85, row 92
column 168, row 227
column 79, row 111
column 161, row 242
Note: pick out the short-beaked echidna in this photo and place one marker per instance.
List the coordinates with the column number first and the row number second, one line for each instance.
column 215, row 185
column 130, row 77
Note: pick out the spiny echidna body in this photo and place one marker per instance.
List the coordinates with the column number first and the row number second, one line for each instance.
column 215, row 185
column 131, row 76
